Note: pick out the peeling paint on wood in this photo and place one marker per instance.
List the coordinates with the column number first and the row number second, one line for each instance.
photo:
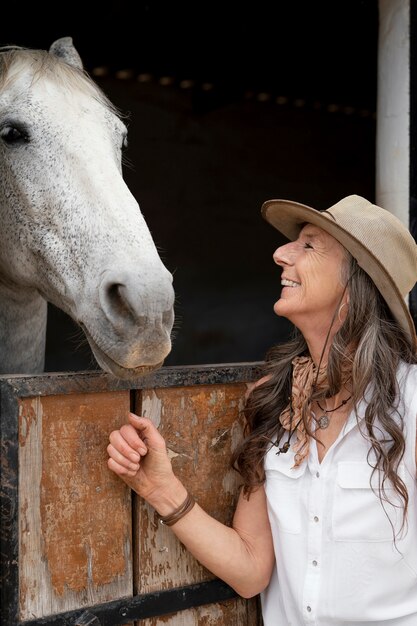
column 201, row 425
column 74, row 522
column 75, row 515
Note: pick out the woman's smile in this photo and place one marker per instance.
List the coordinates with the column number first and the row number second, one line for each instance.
column 285, row 282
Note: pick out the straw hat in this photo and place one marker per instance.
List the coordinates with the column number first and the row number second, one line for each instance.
column 379, row 241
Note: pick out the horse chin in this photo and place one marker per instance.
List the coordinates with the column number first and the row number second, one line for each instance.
column 111, row 367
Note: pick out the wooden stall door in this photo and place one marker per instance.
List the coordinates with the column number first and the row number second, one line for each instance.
column 201, row 425
column 77, row 549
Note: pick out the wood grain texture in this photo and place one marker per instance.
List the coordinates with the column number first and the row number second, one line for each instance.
column 74, row 514
column 201, row 425
column 236, row 612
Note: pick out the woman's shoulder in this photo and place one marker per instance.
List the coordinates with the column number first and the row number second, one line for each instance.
column 407, row 368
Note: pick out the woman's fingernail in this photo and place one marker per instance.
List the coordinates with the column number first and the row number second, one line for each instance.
column 143, row 450
column 134, row 457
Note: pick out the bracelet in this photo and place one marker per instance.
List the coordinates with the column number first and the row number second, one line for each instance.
column 172, row 518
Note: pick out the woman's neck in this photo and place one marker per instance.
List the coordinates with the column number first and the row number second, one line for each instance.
column 319, row 348
column 319, row 334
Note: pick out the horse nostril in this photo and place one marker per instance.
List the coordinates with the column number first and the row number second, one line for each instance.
column 116, row 300
column 128, row 303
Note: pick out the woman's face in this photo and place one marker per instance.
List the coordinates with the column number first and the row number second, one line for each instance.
column 311, row 278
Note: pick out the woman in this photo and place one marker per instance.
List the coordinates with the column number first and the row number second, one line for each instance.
column 326, row 523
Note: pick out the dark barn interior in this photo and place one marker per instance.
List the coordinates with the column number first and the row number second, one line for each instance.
column 227, row 106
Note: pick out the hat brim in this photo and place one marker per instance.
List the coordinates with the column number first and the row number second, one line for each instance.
column 289, row 217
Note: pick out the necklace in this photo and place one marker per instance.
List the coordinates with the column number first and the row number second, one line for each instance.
column 324, row 420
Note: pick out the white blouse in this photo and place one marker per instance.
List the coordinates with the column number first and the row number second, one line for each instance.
column 336, row 562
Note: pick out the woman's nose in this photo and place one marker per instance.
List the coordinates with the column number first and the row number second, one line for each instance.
column 284, row 255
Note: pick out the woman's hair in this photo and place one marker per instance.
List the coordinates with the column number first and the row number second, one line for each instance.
column 370, row 344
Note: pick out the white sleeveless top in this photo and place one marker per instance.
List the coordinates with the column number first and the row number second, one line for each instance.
column 335, row 559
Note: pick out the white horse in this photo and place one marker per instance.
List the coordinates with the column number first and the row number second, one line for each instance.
column 71, row 231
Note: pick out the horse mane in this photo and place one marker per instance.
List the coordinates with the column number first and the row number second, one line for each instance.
column 14, row 59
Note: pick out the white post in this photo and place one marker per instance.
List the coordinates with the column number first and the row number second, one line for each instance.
column 393, row 109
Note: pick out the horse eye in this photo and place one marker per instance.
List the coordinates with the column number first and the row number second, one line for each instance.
column 13, row 135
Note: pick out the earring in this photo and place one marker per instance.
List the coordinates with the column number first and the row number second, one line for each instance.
column 340, row 310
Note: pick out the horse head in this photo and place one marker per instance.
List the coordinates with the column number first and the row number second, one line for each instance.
column 73, row 234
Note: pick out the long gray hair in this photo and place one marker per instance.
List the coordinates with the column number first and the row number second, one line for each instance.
column 370, row 343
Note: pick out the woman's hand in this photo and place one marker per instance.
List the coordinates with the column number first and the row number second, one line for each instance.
column 138, row 454
column 242, row 556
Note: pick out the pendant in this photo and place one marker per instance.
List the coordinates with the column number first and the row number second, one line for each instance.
column 323, row 422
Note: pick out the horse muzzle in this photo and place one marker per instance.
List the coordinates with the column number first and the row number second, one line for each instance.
column 129, row 327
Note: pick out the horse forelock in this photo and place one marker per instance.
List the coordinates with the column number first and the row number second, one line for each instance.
column 42, row 64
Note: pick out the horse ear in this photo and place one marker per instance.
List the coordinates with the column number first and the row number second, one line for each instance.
column 64, row 49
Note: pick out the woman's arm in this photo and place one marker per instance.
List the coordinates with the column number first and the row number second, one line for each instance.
column 242, row 556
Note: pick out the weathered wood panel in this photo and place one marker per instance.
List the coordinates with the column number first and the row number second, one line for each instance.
column 238, row 612
column 66, row 521
column 74, row 515
column 201, row 425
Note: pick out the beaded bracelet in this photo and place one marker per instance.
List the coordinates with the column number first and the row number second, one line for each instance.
column 183, row 509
